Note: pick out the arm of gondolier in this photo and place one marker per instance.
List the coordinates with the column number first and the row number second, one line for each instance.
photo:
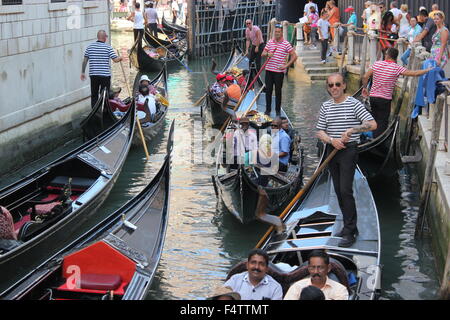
column 368, row 125
column 325, row 138
column 365, row 81
column 415, row 73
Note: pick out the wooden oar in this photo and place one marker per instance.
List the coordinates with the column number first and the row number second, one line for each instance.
column 299, row 194
column 141, row 133
column 170, row 53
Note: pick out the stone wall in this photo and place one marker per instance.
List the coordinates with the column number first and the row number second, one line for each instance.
column 41, row 52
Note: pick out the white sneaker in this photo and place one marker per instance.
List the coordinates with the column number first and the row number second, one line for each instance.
column 323, row 61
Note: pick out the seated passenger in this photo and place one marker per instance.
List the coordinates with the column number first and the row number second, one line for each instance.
column 219, row 87
column 318, row 267
column 118, row 105
column 233, row 90
column 6, row 225
column 146, row 98
column 281, row 145
column 242, row 79
column 146, row 81
column 245, row 143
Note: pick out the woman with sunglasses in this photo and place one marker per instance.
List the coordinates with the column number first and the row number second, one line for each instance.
column 341, row 120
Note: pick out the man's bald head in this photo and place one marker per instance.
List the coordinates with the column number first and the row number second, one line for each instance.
column 102, row 36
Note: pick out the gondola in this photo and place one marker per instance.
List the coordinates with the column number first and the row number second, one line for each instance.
column 237, row 187
column 172, row 27
column 116, row 258
column 150, row 128
column 152, row 56
column 213, row 105
column 312, row 224
column 48, row 205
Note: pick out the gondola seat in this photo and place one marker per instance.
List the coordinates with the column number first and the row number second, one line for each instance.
column 78, row 184
column 337, row 273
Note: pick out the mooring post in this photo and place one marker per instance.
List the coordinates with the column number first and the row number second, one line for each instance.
column 191, row 26
column 363, row 57
column 401, row 50
column 429, row 171
column 447, row 162
column 285, row 25
column 351, row 44
column 373, row 40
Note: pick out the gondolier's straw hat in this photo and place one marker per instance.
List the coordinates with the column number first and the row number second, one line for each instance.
column 224, row 291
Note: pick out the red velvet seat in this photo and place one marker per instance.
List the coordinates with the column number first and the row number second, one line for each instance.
column 93, row 281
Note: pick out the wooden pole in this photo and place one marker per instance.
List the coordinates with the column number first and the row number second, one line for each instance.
column 141, row 133
column 429, row 171
column 344, row 52
column 363, row 58
column 299, row 195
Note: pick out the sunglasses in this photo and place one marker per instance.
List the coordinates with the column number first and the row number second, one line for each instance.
column 248, row 23
column 337, row 84
column 274, row 125
column 278, row 26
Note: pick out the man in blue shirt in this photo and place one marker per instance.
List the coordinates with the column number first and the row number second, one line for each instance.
column 281, row 144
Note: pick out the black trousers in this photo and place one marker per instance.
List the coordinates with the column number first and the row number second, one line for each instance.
column 381, row 109
column 342, row 168
column 274, row 79
column 97, row 85
column 256, row 56
column 153, row 29
column 138, row 33
column 324, row 49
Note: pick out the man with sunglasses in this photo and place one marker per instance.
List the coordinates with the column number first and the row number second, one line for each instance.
column 254, row 42
column 318, row 268
column 341, row 120
column 98, row 55
column 277, row 50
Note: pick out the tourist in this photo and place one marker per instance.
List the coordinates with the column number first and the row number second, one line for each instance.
column 255, row 283
column 439, row 49
column 139, row 22
column 146, row 81
column 98, row 55
column 434, row 10
column 6, row 225
column 277, row 50
column 414, row 31
column 175, row 9
column 429, row 29
column 152, row 20
column 366, row 15
column 308, row 6
column 119, row 106
column 219, row 87
column 382, row 7
column 384, row 77
column 145, row 97
column 281, row 145
column 313, row 18
column 232, row 92
column 318, row 268
column 404, row 20
column 311, row 293
column 387, row 32
column 323, row 27
column 254, row 43
column 395, row 10
column 245, row 143
column 341, row 120
column 422, row 17
column 334, row 19
column 224, row 293
column 352, row 20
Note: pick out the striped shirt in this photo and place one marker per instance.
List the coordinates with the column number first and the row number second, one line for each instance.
column 99, row 54
column 385, row 75
column 336, row 118
column 283, row 49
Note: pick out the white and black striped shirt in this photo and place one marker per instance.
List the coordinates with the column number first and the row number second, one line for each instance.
column 99, row 55
column 336, row 118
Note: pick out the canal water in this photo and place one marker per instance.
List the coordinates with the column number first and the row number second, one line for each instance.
column 203, row 240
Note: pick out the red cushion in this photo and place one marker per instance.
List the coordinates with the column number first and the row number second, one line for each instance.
column 94, row 281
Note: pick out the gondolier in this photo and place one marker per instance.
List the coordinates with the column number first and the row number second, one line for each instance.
column 254, row 43
column 341, row 120
column 385, row 74
column 277, row 50
column 98, row 55
column 151, row 19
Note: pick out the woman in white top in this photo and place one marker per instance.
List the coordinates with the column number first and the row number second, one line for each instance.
column 146, row 97
column 138, row 17
column 404, row 19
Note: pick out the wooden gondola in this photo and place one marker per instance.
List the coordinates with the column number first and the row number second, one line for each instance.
column 213, row 105
column 48, row 205
column 116, row 259
column 172, row 27
column 150, row 128
column 238, row 187
column 171, row 54
column 312, row 224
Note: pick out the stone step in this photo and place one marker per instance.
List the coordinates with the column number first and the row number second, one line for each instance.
column 309, row 53
column 318, row 64
column 306, row 60
column 319, row 76
column 322, row 70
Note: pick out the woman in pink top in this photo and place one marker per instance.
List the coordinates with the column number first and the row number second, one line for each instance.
column 313, row 18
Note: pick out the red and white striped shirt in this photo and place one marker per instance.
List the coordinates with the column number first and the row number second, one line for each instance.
column 283, row 49
column 385, row 75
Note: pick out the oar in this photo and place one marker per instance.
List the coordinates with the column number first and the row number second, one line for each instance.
column 299, row 194
column 141, row 133
column 156, row 40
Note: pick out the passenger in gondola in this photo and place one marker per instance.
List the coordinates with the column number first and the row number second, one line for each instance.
column 245, row 144
column 242, row 79
column 219, row 87
column 233, row 91
column 224, row 293
column 255, row 283
column 146, row 81
column 318, row 268
column 281, row 145
column 146, row 103
column 6, row 225
column 118, row 106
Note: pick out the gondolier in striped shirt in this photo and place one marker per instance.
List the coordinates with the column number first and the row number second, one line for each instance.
column 98, row 55
column 385, row 74
column 341, row 120
column 277, row 50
